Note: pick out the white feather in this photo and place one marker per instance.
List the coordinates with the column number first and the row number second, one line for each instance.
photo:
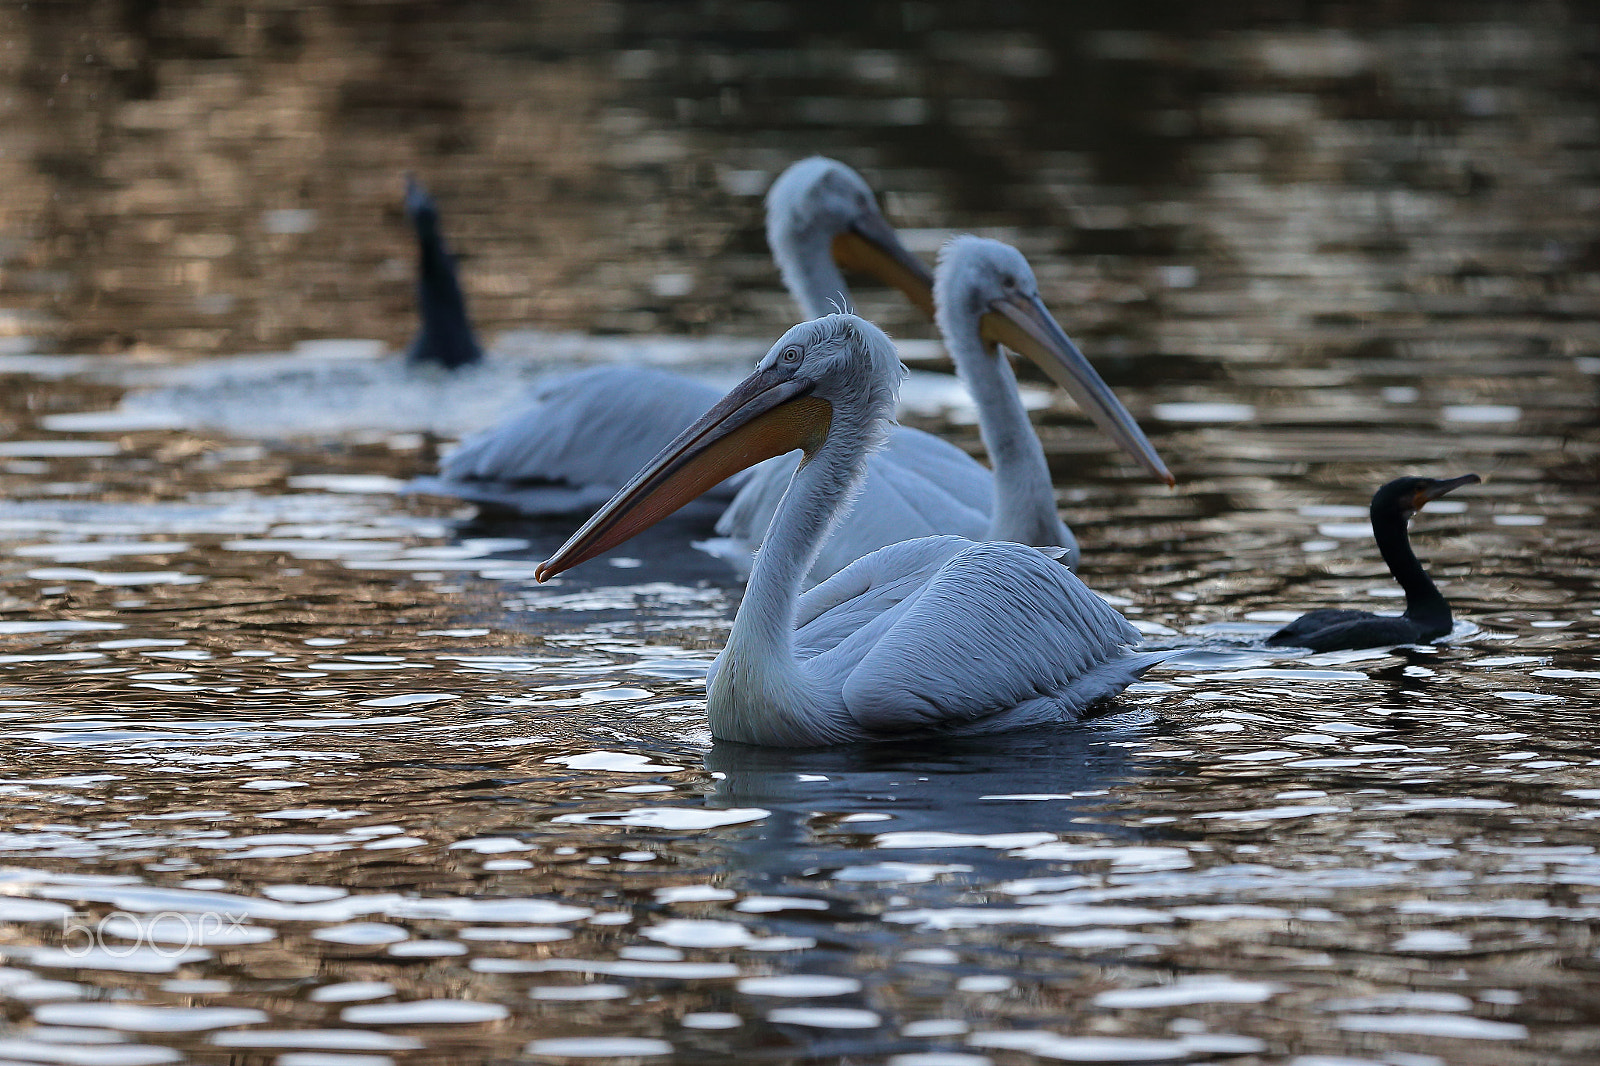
column 579, row 438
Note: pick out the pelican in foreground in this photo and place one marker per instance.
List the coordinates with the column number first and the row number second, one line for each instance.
column 985, row 294
column 444, row 337
column 1427, row 615
column 586, row 432
column 936, row 636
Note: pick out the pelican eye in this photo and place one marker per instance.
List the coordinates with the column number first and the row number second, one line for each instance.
column 790, row 355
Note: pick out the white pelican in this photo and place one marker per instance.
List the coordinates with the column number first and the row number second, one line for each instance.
column 444, row 336
column 937, row 636
column 586, row 432
column 985, row 292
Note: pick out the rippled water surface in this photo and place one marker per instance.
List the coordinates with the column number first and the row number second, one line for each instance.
column 305, row 771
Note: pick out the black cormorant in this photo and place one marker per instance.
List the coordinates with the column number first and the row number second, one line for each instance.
column 1427, row 615
column 445, row 336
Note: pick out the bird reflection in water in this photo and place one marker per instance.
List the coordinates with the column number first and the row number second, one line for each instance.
column 870, row 813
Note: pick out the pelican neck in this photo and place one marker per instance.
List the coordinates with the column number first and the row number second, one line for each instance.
column 1024, row 498
column 758, row 693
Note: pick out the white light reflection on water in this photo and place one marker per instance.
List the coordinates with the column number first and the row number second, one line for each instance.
column 344, row 782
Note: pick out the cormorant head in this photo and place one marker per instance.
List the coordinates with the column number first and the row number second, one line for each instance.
column 420, row 208
column 1406, row 496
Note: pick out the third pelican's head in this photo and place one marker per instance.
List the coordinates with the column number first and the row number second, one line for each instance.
column 820, row 210
column 987, row 287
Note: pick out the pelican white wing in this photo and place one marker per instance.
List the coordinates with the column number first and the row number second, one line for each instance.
column 867, row 589
column 581, row 437
column 998, row 637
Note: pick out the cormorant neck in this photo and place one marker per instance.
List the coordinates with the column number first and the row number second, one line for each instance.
column 1425, row 605
column 445, row 336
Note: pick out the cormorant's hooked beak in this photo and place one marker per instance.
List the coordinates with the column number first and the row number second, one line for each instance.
column 768, row 413
column 1432, row 492
column 871, row 246
column 1025, row 325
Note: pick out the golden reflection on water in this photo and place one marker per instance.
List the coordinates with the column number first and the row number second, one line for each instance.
column 466, row 818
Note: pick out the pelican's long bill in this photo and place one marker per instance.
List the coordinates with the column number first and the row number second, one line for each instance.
column 871, row 246
column 768, row 413
column 1026, row 326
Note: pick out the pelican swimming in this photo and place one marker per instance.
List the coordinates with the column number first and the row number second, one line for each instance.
column 444, row 336
column 936, row 636
column 985, row 293
column 1427, row 614
column 586, row 432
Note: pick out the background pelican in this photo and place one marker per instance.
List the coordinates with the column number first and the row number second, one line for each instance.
column 1427, row 614
column 932, row 636
column 985, row 292
column 585, row 433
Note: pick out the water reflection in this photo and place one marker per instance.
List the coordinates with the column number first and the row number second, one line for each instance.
column 323, row 774
column 988, row 794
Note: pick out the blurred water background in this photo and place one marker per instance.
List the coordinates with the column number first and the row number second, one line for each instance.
column 301, row 771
